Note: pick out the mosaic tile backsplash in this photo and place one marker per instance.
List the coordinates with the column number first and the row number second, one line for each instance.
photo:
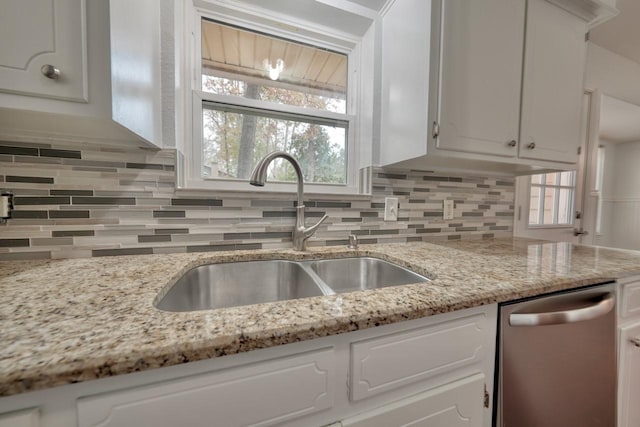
column 84, row 200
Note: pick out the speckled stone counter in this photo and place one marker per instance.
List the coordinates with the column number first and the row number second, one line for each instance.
column 66, row 321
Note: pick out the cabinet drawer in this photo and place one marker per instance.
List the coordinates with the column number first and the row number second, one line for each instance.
column 25, row 418
column 630, row 299
column 262, row 394
column 452, row 405
column 386, row 363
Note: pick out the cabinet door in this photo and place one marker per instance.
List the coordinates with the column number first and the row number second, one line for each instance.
column 456, row 404
column 262, row 394
column 405, row 80
column 26, row 418
column 553, row 84
column 629, row 376
column 481, row 74
column 36, row 33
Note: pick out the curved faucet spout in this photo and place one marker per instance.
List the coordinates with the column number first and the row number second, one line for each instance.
column 259, row 177
column 259, row 174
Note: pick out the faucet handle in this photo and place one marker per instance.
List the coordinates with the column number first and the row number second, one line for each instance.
column 353, row 241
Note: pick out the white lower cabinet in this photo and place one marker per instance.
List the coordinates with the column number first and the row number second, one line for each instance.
column 25, row 418
column 457, row 404
column 385, row 363
column 263, row 394
column 629, row 352
column 433, row 371
column 629, row 376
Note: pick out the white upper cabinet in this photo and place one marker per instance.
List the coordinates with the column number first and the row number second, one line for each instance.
column 44, row 49
column 80, row 70
column 502, row 89
column 405, row 77
column 481, row 66
column 553, row 84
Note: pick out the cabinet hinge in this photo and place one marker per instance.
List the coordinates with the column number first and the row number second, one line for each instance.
column 486, row 397
column 435, row 130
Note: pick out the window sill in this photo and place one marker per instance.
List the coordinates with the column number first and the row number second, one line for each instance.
column 544, row 227
column 246, row 191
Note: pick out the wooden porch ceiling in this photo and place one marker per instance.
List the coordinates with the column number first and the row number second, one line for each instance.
column 232, row 50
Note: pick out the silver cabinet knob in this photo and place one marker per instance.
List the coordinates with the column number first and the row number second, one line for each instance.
column 50, row 72
column 512, row 143
column 635, row 341
column 531, row 145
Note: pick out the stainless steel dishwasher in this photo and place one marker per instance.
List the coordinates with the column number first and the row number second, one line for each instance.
column 557, row 360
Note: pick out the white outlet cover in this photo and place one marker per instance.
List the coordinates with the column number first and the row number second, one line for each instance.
column 447, row 209
column 390, row 208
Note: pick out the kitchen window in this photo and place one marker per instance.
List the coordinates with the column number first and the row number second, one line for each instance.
column 260, row 90
column 552, row 198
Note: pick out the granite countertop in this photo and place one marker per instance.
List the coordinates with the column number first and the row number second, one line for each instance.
column 66, row 321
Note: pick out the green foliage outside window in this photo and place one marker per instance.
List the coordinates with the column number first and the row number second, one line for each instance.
column 234, row 142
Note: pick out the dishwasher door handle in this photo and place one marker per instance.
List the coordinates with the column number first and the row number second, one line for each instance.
column 598, row 309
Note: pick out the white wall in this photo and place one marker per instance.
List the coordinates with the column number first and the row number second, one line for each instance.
column 605, row 238
column 613, row 74
column 618, row 77
column 621, row 196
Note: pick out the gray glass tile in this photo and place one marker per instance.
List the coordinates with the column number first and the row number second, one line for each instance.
column 71, row 192
column 64, row 233
column 14, row 243
column 68, row 214
column 23, row 151
column 123, row 251
column 51, row 200
column 20, row 214
column 196, row 202
column 168, row 214
column 79, row 200
column 48, row 152
column 32, row 179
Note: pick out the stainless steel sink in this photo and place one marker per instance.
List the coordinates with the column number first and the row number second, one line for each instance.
column 239, row 283
column 353, row 274
column 252, row 282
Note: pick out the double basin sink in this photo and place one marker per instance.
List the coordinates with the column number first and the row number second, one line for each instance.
column 252, row 282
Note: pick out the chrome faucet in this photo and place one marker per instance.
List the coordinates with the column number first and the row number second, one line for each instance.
column 259, row 177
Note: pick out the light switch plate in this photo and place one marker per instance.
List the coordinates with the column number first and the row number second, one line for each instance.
column 390, row 208
column 447, row 209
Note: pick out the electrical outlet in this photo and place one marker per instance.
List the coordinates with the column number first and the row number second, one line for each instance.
column 6, row 206
column 390, row 208
column 447, row 209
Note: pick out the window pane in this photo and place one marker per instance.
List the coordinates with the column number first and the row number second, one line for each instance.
column 565, row 206
column 534, row 206
column 567, row 178
column 256, row 66
column 549, row 204
column 599, row 168
column 233, row 142
column 551, row 178
column 537, row 179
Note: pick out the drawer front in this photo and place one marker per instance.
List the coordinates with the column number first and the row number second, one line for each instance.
column 382, row 364
column 262, row 394
column 631, row 299
column 458, row 404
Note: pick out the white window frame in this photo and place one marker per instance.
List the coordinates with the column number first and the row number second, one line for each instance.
column 257, row 19
column 542, row 186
